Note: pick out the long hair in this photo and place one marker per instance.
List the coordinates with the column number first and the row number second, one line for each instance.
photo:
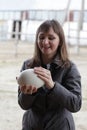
column 62, row 48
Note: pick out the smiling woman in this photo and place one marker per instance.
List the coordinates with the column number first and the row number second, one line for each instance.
column 50, row 107
column 48, row 42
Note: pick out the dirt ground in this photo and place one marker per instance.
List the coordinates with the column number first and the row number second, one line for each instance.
column 12, row 56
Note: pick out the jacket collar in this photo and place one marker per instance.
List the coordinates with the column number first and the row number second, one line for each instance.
column 57, row 62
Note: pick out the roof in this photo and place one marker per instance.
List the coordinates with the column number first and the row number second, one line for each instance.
column 39, row 4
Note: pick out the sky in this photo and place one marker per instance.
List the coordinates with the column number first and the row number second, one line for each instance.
column 39, row 4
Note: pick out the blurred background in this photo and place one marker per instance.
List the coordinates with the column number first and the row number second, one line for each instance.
column 19, row 21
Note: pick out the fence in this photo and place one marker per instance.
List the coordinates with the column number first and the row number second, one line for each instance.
column 22, row 24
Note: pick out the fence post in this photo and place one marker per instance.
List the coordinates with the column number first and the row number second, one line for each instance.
column 16, row 38
column 80, row 24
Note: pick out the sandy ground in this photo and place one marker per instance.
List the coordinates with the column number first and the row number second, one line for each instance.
column 11, row 59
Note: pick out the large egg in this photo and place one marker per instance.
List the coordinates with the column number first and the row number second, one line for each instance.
column 28, row 77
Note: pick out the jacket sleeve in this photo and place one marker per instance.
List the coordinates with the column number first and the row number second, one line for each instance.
column 68, row 94
column 25, row 100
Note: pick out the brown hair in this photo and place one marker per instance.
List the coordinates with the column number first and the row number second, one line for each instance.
column 62, row 49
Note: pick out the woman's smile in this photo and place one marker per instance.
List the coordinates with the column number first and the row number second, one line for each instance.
column 46, row 48
column 48, row 42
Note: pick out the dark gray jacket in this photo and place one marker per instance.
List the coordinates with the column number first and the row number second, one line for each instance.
column 51, row 109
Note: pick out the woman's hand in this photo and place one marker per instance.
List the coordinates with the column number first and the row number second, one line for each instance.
column 28, row 89
column 45, row 75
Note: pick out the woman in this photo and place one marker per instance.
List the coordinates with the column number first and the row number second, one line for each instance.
column 51, row 106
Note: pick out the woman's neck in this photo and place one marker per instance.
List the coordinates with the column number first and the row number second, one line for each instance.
column 46, row 60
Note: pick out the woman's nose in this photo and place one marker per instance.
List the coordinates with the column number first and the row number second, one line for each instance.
column 46, row 41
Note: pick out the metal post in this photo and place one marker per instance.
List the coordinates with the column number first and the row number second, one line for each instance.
column 68, row 19
column 80, row 24
column 16, row 37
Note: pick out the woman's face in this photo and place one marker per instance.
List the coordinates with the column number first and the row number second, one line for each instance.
column 48, row 43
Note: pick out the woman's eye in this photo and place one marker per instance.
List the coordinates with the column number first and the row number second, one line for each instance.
column 41, row 38
column 51, row 38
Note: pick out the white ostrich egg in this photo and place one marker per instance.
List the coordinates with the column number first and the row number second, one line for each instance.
column 28, row 77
